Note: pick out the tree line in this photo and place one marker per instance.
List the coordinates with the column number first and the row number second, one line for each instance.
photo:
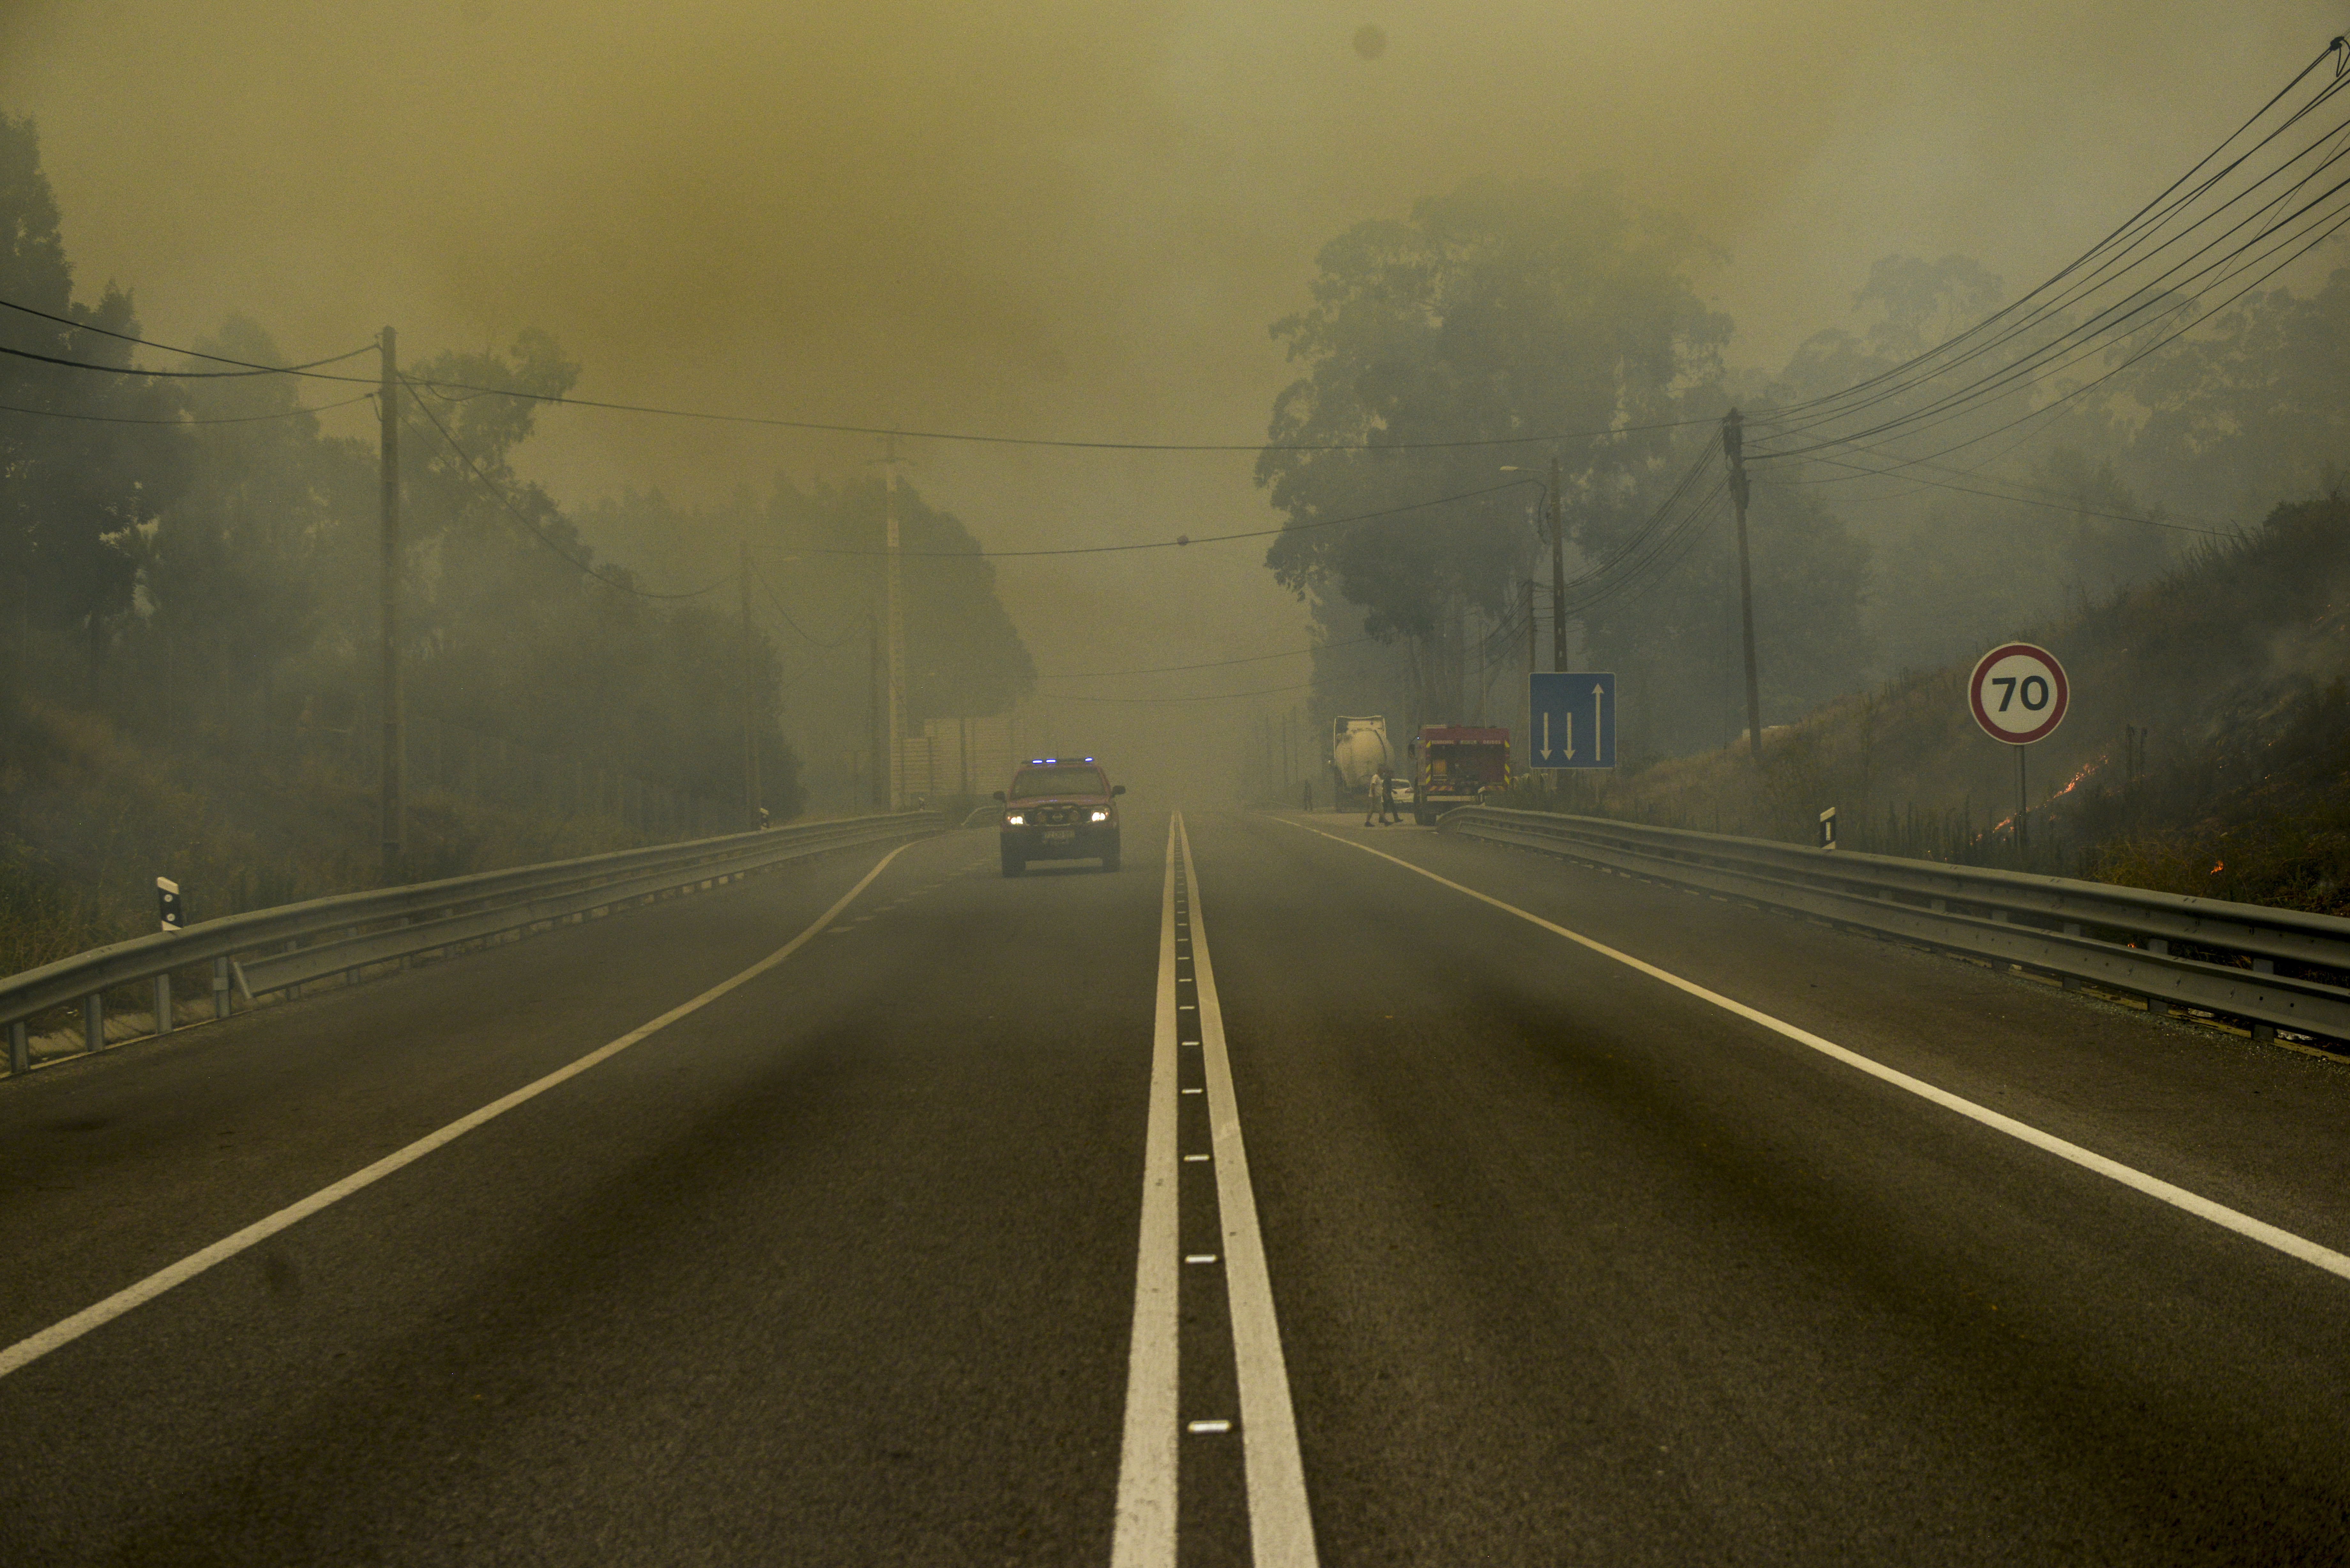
column 1508, row 309
column 196, row 560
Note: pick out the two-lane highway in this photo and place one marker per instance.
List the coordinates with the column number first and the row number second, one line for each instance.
column 1276, row 1196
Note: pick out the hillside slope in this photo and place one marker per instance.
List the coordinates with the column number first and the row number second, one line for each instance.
column 2206, row 749
column 89, row 817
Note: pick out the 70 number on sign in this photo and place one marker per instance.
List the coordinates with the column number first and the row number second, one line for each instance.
column 2019, row 693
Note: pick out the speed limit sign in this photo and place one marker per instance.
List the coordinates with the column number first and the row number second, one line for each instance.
column 2018, row 693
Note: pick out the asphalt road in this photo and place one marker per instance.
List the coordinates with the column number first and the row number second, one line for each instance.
column 934, row 1241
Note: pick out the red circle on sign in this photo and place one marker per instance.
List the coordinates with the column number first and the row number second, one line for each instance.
column 2025, row 654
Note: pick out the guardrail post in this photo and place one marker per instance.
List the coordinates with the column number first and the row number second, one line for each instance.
column 2071, row 982
column 219, row 988
column 2263, row 1031
column 163, row 1003
column 93, row 1022
column 20, row 1050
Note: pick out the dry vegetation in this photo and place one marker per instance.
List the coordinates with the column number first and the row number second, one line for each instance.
column 90, row 819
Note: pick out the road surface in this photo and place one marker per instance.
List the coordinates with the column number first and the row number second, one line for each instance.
column 1300, row 1193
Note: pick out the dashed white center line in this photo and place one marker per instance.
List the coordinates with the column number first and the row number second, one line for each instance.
column 1281, row 1528
column 1145, row 1532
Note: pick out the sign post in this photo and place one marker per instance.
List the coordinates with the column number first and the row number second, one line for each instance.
column 1571, row 718
column 2019, row 695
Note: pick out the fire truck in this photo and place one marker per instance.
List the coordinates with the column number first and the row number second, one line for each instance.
column 1454, row 764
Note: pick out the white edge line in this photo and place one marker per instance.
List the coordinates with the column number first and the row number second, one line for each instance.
column 26, row 1351
column 2179, row 1198
column 1145, row 1532
column 1280, row 1524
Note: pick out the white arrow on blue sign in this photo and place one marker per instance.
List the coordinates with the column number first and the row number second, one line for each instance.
column 1574, row 720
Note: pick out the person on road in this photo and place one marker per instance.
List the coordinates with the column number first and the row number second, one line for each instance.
column 1382, row 800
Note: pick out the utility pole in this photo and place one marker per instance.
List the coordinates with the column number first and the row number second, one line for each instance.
column 394, row 785
column 876, row 666
column 1528, row 733
column 897, row 608
column 1733, row 447
column 749, row 690
column 1557, row 576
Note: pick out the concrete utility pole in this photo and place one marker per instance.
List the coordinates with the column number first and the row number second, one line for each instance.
column 1528, row 708
column 1557, row 576
column 897, row 728
column 749, row 693
column 1733, row 447
column 877, row 676
column 394, row 787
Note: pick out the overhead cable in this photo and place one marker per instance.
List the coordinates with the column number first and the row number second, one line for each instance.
column 516, row 513
column 1212, row 664
column 2146, row 218
column 190, row 353
column 222, row 420
column 1181, row 541
column 796, row 625
column 2282, row 225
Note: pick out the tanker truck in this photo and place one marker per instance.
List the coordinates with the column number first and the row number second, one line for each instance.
column 1358, row 750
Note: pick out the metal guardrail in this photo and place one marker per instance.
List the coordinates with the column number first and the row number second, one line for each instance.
column 271, row 951
column 2267, row 968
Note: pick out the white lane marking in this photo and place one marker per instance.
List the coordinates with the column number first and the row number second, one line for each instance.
column 1199, row 1257
column 1207, row 1426
column 1195, row 1159
column 1145, row 1533
column 1195, row 1091
column 26, row 1351
column 1281, row 1526
column 2179, row 1198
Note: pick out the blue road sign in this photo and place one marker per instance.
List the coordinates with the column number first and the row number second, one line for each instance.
column 1574, row 720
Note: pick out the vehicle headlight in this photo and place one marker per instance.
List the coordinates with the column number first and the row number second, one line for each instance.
column 1101, row 817
column 1014, row 819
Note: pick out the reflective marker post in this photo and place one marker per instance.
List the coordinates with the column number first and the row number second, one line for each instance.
column 167, row 908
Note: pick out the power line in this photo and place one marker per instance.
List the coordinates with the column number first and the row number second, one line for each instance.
column 1212, row 664
column 190, row 353
column 184, row 375
column 541, row 535
column 974, row 439
column 223, row 420
column 2039, row 363
column 1181, row 541
column 2274, row 226
column 796, row 625
column 2147, row 219
column 2052, row 499
column 1153, row 701
column 440, row 388
column 2336, row 224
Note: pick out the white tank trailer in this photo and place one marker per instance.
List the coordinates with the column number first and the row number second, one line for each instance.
column 1359, row 749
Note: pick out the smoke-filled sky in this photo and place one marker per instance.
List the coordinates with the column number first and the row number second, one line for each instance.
column 1066, row 217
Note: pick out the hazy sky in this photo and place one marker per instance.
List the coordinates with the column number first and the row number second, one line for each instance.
column 1053, row 218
